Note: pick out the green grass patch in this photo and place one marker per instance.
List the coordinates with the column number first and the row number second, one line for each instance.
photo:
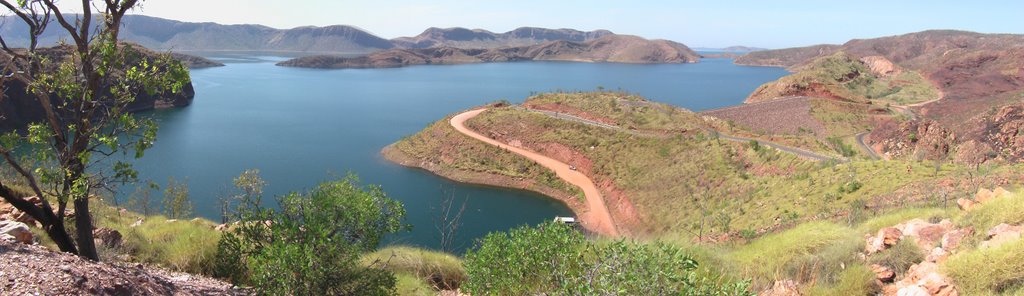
column 811, row 252
column 856, row 279
column 872, row 225
column 989, row 271
column 1007, row 209
column 182, row 245
column 439, row 270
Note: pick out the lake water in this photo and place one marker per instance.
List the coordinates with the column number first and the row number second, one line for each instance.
column 303, row 126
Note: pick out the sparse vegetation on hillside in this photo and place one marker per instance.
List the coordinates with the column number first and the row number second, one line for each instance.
column 690, row 184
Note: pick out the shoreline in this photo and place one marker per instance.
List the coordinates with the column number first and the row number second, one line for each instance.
column 396, row 156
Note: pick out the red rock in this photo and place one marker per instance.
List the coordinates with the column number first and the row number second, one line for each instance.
column 1001, row 234
column 983, row 195
column 952, row 240
column 885, row 238
column 221, row 227
column 883, row 274
column 966, row 204
column 938, row 255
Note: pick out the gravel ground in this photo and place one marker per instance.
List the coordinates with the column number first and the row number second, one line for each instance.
column 35, row 270
column 779, row 116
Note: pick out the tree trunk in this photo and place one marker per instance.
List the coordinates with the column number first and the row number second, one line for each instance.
column 83, row 226
column 60, row 236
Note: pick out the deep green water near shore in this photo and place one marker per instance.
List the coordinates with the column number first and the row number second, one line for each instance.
column 303, row 126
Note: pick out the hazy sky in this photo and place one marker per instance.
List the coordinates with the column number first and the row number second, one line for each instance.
column 705, row 23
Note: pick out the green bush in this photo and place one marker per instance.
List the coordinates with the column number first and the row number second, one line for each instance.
column 313, row 244
column 555, row 259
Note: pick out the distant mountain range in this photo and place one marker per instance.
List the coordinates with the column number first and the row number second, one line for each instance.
column 609, row 48
column 164, row 34
column 732, row 49
column 466, row 38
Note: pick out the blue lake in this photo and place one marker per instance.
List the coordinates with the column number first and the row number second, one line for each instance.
column 302, row 126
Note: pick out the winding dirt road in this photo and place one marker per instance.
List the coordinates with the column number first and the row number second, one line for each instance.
column 596, row 218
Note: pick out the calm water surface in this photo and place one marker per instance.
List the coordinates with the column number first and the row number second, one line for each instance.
column 303, row 126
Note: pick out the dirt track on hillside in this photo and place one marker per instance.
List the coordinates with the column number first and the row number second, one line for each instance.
column 597, row 218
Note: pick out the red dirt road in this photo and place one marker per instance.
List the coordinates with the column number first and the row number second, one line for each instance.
column 596, row 218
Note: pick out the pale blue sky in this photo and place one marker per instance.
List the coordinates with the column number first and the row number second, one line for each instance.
column 706, row 23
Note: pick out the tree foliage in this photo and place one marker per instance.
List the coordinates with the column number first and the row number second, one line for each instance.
column 313, row 243
column 554, row 259
column 84, row 89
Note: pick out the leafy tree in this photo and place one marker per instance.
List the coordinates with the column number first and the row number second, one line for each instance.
column 554, row 259
column 84, row 90
column 312, row 245
column 177, row 204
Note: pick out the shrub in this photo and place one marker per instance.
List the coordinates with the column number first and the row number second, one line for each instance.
column 312, row 245
column 555, row 259
column 900, row 257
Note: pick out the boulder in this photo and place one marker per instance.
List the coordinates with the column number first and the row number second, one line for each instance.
column 984, row 195
column 886, row 237
column 929, row 237
column 913, row 290
column 782, row 288
column 1000, row 192
column 966, row 204
column 107, row 237
column 221, row 227
column 938, row 255
column 1004, row 229
column 952, row 240
column 883, row 274
column 1001, row 234
column 16, row 232
column 138, row 223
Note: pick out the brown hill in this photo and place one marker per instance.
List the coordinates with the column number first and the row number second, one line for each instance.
column 971, row 69
column 611, row 49
column 466, row 38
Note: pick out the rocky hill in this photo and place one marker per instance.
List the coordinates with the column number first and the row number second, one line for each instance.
column 975, row 75
column 17, row 109
column 478, row 38
column 164, row 34
column 610, row 48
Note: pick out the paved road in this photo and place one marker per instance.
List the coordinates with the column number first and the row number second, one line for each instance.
column 902, row 109
column 867, row 148
column 596, row 218
column 791, row 150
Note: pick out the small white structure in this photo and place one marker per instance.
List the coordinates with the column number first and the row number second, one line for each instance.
column 566, row 220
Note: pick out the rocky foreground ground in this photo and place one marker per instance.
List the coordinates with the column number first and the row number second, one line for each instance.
column 30, row 269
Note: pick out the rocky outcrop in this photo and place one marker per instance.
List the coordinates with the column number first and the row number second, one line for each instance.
column 16, row 232
column 917, row 139
column 1002, row 234
column 881, row 66
column 610, row 48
